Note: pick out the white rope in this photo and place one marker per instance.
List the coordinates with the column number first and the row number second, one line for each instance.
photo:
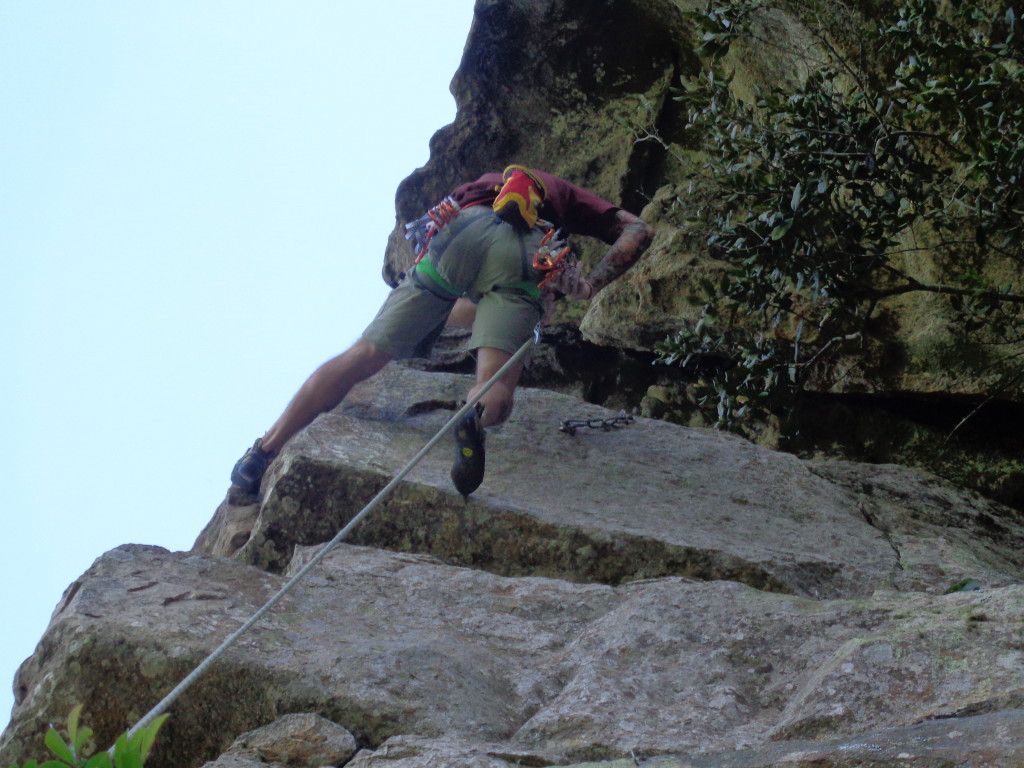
column 178, row 690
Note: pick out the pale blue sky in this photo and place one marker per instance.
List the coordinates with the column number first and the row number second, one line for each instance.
column 195, row 198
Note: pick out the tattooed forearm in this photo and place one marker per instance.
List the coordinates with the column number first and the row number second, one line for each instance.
column 633, row 240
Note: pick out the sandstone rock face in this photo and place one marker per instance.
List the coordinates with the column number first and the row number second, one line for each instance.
column 645, row 594
column 649, row 592
column 643, row 500
column 303, row 740
column 575, row 87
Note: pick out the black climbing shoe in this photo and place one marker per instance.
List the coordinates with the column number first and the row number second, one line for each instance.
column 249, row 470
column 468, row 469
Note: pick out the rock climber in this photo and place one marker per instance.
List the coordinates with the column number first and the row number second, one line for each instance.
column 476, row 268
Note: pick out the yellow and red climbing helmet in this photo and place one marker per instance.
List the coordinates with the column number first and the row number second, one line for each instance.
column 519, row 197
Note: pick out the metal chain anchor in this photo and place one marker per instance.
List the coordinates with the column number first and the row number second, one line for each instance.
column 569, row 426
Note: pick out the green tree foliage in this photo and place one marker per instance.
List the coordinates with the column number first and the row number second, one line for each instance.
column 820, row 194
column 128, row 751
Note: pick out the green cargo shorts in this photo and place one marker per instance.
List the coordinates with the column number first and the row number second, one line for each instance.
column 477, row 256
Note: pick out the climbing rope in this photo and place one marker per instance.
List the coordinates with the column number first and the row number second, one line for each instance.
column 178, row 690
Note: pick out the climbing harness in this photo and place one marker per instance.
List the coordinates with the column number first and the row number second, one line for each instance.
column 570, row 426
column 178, row 690
column 422, row 231
column 553, row 254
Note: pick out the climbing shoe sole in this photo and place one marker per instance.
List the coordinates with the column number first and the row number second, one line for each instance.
column 468, row 469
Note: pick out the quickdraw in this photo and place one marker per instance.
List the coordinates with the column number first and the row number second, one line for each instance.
column 550, row 256
column 421, row 231
column 569, row 426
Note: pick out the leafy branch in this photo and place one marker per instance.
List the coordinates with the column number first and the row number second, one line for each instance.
column 814, row 190
column 71, row 752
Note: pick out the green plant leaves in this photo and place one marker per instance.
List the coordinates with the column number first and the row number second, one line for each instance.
column 56, row 745
column 127, row 752
column 966, row 585
column 814, row 186
column 146, row 736
column 781, row 230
